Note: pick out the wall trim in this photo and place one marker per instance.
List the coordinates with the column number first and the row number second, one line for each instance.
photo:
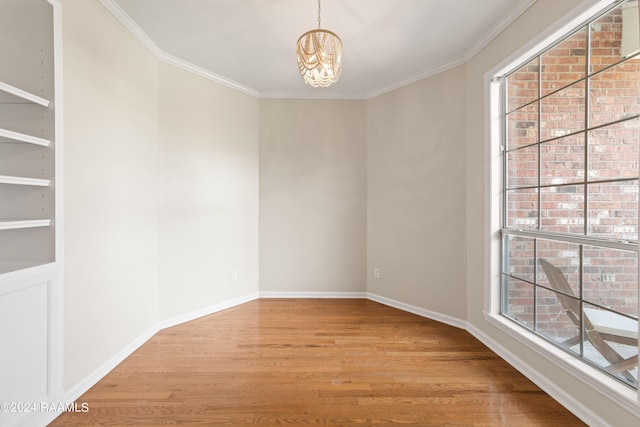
column 38, row 418
column 177, row 320
column 284, row 294
column 624, row 396
column 429, row 314
column 455, row 62
column 500, row 26
column 549, row 387
column 79, row 389
column 162, row 56
column 74, row 393
column 600, row 382
column 56, row 287
column 351, row 96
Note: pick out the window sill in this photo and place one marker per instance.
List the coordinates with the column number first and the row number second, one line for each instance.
column 617, row 392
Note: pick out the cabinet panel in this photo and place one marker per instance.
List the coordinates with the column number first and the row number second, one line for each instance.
column 24, row 337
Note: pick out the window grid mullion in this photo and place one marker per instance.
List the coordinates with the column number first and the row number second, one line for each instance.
column 600, row 126
column 535, row 285
column 587, row 106
column 581, row 298
column 539, row 181
column 504, row 145
column 538, row 142
column 503, row 217
column 587, row 88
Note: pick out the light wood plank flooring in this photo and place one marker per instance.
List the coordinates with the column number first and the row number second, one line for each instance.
column 315, row 362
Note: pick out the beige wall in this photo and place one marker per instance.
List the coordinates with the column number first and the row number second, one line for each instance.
column 110, row 173
column 161, row 190
column 312, row 196
column 540, row 16
column 416, row 194
column 209, row 192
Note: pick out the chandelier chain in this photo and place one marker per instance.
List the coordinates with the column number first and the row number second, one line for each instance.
column 318, row 14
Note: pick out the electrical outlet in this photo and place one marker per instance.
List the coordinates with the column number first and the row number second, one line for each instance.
column 234, row 276
column 376, row 273
column 608, row 277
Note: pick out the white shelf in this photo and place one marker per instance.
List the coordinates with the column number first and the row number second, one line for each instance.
column 21, row 137
column 18, row 180
column 28, row 223
column 23, row 94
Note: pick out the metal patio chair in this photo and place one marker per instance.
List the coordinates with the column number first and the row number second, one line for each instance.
column 600, row 326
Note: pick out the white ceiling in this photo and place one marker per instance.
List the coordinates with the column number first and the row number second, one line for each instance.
column 250, row 44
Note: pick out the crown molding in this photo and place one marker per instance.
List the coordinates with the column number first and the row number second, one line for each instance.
column 417, row 77
column 115, row 9
column 187, row 66
column 488, row 37
column 306, row 95
column 146, row 41
column 506, row 20
column 130, row 25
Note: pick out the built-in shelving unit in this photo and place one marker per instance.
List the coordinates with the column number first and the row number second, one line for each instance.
column 27, row 130
column 30, row 220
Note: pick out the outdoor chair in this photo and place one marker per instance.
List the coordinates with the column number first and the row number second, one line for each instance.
column 600, row 326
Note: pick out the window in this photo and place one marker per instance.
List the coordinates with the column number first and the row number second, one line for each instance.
column 570, row 147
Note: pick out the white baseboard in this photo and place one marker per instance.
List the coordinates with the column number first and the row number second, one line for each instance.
column 549, row 387
column 92, row 379
column 433, row 315
column 443, row 318
column 79, row 389
column 176, row 320
column 71, row 396
column 39, row 419
column 345, row 295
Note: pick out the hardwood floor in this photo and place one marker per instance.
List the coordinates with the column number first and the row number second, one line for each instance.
column 319, row 362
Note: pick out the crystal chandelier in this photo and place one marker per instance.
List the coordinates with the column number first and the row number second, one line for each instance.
column 319, row 56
